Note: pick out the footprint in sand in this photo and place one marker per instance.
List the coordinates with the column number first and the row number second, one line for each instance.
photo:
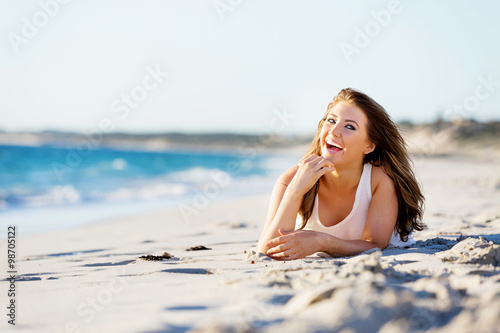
column 188, row 271
column 101, row 264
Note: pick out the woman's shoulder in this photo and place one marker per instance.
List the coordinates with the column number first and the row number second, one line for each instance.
column 380, row 179
column 286, row 177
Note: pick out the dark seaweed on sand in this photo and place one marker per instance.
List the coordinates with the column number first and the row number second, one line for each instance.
column 198, row 248
column 150, row 257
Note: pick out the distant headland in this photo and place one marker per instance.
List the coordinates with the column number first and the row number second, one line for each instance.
column 435, row 139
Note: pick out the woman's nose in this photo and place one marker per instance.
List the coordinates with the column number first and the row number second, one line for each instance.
column 335, row 131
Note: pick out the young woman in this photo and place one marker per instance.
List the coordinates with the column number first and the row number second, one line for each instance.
column 354, row 190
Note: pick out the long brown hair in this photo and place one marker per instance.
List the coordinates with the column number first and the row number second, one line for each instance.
column 390, row 153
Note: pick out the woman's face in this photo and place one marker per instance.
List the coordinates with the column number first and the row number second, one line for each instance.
column 344, row 135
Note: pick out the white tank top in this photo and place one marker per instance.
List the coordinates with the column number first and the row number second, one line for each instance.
column 351, row 228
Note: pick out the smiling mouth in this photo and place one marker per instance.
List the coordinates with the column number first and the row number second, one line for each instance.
column 333, row 146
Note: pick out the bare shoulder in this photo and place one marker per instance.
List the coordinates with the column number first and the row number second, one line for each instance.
column 380, row 180
column 287, row 176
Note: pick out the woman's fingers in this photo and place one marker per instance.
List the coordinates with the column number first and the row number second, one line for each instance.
column 277, row 241
column 278, row 249
column 324, row 164
column 293, row 256
column 316, row 162
column 312, row 162
column 325, row 169
column 287, row 255
column 282, row 255
column 310, row 169
column 309, row 158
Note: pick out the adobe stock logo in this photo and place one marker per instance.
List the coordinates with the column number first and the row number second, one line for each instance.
column 39, row 20
column 372, row 29
column 223, row 6
column 483, row 91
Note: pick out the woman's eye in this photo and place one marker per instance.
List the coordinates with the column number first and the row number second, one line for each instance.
column 350, row 127
column 331, row 120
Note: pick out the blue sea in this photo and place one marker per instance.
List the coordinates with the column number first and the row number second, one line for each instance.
column 48, row 188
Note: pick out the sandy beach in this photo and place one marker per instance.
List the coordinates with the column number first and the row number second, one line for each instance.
column 140, row 143
column 91, row 279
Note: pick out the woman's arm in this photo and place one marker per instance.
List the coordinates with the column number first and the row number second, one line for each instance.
column 276, row 199
column 302, row 243
column 337, row 247
column 382, row 216
column 287, row 197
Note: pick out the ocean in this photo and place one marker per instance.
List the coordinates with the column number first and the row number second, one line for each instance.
column 49, row 187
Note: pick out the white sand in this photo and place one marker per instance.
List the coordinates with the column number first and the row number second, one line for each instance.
column 90, row 279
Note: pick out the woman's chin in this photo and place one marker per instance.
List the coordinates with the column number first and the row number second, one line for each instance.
column 330, row 159
column 328, row 155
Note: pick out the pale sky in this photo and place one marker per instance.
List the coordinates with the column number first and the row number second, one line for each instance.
column 230, row 66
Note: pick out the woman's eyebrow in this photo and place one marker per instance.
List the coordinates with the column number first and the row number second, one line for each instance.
column 346, row 120
column 352, row 121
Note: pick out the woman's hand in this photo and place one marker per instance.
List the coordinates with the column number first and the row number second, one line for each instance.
column 288, row 194
column 310, row 170
column 294, row 244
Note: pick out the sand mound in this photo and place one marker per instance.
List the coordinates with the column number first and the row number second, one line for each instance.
column 473, row 251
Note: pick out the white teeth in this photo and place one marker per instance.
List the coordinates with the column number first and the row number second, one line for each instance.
column 334, row 144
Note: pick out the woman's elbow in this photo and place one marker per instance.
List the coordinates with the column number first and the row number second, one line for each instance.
column 375, row 242
column 383, row 247
column 378, row 245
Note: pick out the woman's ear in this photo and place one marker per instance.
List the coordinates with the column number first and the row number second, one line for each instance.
column 369, row 148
